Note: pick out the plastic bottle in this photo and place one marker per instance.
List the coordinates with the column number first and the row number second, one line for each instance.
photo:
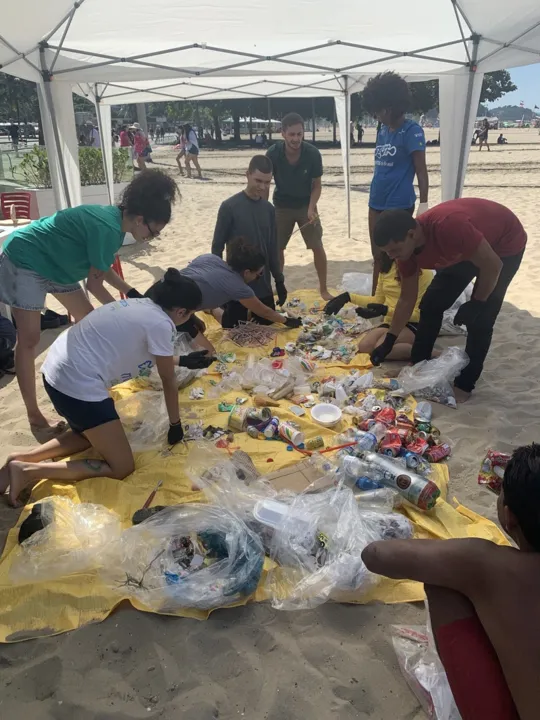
column 360, row 473
column 365, row 483
column 414, row 488
column 423, row 412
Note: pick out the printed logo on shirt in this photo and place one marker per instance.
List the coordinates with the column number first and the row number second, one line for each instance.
column 385, row 151
column 145, row 368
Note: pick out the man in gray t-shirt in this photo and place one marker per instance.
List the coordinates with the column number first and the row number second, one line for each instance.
column 248, row 214
column 218, row 283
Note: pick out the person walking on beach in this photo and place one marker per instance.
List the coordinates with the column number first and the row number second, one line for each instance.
column 298, row 170
column 53, row 254
column 483, row 135
column 192, row 151
column 249, row 214
column 462, row 239
column 400, row 154
column 182, row 142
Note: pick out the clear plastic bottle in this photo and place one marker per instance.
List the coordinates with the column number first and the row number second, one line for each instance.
column 360, row 473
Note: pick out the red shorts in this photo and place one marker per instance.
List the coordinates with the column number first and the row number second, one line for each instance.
column 474, row 672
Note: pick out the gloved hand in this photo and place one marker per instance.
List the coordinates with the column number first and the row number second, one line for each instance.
column 334, row 305
column 175, row 434
column 134, row 294
column 379, row 353
column 292, row 322
column 196, row 360
column 281, row 293
column 468, row 312
column 422, row 208
column 372, row 310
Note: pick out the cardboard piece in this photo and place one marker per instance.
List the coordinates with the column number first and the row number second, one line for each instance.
column 299, row 478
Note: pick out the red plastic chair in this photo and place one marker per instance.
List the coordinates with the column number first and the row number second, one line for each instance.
column 21, row 200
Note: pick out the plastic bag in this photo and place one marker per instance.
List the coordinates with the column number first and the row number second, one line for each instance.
column 357, row 283
column 145, row 419
column 194, row 556
column 448, row 327
column 74, row 536
column 318, row 547
column 424, row 672
column 432, row 379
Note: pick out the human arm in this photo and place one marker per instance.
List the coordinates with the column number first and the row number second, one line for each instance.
column 94, row 285
column 202, row 341
column 402, row 313
column 222, row 231
column 489, row 265
column 112, row 278
column 165, row 366
column 458, row 564
column 420, row 167
column 316, row 188
column 262, row 310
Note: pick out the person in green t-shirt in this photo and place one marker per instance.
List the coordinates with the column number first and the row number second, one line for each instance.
column 53, row 254
column 298, row 170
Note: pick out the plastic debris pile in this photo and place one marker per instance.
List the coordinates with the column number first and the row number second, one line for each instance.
column 329, row 338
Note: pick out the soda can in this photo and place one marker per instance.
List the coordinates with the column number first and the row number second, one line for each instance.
column 412, row 460
column 271, row 430
column 315, row 443
column 238, row 418
column 403, row 421
column 387, row 416
column 405, row 434
column 366, row 424
column 438, row 452
column 253, row 432
column 255, row 416
column 391, row 444
column 424, row 427
column 419, row 446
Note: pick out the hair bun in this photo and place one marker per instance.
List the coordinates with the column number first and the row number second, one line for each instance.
column 172, row 276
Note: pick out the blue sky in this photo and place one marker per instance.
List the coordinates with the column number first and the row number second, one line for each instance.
column 527, row 80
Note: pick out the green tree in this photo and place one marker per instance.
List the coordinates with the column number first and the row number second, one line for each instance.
column 495, row 85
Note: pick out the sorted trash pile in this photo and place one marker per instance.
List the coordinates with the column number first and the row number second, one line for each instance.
column 329, row 338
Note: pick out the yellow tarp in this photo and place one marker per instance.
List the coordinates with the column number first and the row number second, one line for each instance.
column 50, row 608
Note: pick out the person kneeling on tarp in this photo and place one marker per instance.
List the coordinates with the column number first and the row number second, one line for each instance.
column 117, row 342
column 484, row 600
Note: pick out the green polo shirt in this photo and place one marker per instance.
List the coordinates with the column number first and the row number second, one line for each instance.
column 294, row 182
column 64, row 246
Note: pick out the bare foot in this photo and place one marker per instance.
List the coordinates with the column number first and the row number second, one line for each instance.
column 326, row 295
column 18, row 481
column 44, row 434
column 461, row 395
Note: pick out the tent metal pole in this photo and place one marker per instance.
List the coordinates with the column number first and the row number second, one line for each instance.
column 110, row 190
column 47, row 77
column 465, row 139
column 269, row 110
column 313, row 119
column 59, row 48
column 348, row 152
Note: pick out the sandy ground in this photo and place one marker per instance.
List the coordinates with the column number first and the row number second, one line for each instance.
column 254, row 662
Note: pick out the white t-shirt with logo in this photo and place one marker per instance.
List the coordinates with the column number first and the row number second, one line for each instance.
column 115, row 343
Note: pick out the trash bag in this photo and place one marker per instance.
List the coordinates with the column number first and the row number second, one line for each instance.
column 145, row 419
column 317, row 546
column 432, row 379
column 71, row 541
column 357, row 283
column 422, row 669
column 185, row 556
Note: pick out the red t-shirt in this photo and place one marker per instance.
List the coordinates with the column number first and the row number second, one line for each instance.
column 454, row 229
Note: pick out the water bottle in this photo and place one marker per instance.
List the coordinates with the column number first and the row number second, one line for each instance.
column 414, row 488
column 359, row 473
column 365, row 483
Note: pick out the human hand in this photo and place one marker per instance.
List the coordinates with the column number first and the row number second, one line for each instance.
column 293, row 322
column 372, row 310
column 196, row 360
column 312, row 213
column 176, row 433
column 422, row 208
column 379, row 353
column 132, row 294
column 468, row 312
column 334, row 305
column 281, row 293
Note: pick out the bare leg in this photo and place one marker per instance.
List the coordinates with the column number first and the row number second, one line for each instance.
column 76, row 303
column 197, row 166
column 188, row 166
column 371, row 339
column 400, row 351
column 178, row 158
column 109, row 440
column 141, row 163
column 321, row 266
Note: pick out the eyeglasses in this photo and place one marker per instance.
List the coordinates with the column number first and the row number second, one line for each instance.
column 153, row 233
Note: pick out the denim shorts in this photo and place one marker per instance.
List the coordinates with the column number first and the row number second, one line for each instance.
column 25, row 289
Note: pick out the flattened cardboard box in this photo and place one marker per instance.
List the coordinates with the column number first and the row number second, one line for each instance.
column 298, row 478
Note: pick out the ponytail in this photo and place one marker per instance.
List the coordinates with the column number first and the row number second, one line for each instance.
column 175, row 291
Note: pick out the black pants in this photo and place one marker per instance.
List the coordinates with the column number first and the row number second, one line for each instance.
column 446, row 287
column 234, row 312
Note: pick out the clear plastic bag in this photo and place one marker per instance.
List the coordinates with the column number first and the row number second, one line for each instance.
column 74, row 536
column 424, row 672
column 357, row 283
column 145, row 419
column 432, row 379
column 185, row 556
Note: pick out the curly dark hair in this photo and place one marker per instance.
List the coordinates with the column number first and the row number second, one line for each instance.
column 150, row 194
column 387, row 91
column 521, row 488
column 243, row 255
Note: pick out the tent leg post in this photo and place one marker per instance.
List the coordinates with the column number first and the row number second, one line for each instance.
column 110, row 190
column 313, row 119
column 464, row 135
column 269, row 111
column 348, row 153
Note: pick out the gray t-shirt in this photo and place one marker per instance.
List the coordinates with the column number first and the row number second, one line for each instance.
column 254, row 220
column 217, row 281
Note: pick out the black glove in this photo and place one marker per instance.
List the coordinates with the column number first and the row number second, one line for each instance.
column 334, row 305
column 175, row 434
column 134, row 294
column 293, row 322
column 379, row 353
column 196, row 360
column 281, row 293
column 372, row 310
column 468, row 312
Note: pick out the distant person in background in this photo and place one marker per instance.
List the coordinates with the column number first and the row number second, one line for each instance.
column 182, row 142
column 13, row 132
column 400, row 154
column 140, row 142
column 95, row 137
column 192, row 151
column 360, row 131
column 298, row 170
column 501, row 140
column 258, row 140
column 483, row 135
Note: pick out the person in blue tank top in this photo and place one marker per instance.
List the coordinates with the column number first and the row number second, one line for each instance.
column 400, row 154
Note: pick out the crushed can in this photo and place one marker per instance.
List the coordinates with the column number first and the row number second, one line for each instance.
column 438, row 452
column 390, row 444
column 387, row 416
column 419, row 445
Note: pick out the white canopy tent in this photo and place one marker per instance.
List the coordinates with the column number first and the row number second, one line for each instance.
column 238, row 49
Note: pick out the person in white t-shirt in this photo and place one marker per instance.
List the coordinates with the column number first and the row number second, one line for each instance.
column 117, row 342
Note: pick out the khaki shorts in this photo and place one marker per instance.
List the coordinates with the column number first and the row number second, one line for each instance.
column 287, row 218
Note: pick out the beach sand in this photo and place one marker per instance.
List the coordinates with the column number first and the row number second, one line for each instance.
column 254, row 662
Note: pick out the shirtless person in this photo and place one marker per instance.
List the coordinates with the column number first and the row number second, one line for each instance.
column 461, row 239
column 484, row 600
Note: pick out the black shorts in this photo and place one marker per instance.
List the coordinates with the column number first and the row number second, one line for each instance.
column 413, row 327
column 234, row 312
column 81, row 415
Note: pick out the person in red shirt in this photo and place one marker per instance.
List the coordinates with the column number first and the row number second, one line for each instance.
column 461, row 239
